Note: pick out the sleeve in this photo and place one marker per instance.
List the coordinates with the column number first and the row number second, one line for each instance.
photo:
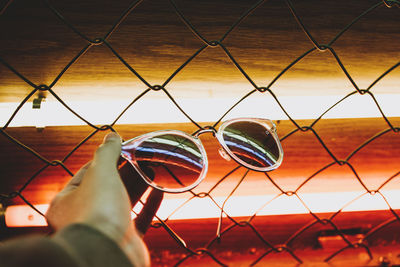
column 76, row 245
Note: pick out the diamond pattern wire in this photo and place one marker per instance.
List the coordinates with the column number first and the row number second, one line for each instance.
column 262, row 89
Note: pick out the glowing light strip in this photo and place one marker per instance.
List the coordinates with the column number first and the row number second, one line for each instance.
column 179, row 144
column 238, row 206
column 167, row 153
column 252, row 151
column 24, row 216
column 104, row 112
column 240, row 136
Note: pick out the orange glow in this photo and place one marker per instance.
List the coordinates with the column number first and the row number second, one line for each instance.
column 236, row 206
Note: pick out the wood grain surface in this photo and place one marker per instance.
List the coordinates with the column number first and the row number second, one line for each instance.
column 304, row 155
column 155, row 42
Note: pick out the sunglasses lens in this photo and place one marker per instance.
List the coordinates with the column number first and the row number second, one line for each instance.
column 251, row 143
column 170, row 161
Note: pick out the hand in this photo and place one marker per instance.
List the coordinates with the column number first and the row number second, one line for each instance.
column 96, row 196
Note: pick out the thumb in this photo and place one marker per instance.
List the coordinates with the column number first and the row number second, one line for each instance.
column 109, row 151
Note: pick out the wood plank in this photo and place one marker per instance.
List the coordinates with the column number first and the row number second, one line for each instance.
column 156, row 42
column 304, row 155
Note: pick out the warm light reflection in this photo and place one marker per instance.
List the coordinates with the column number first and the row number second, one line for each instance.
column 299, row 107
column 237, row 206
column 24, row 215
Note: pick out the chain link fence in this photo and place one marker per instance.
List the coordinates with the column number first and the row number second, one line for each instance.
column 226, row 222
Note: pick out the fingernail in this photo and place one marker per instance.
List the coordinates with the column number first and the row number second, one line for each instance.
column 111, row 136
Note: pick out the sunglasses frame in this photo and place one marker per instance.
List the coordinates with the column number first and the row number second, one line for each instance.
column 137, row 141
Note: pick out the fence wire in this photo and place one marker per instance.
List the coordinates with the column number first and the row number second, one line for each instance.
column 192, row 253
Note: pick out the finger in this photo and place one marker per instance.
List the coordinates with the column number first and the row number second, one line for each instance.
column 133, row 181
column 53, row 213
column 76, row 180
column 107, row 154
column 149, row 210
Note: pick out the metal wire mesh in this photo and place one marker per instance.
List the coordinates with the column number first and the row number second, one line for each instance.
column 270, row 248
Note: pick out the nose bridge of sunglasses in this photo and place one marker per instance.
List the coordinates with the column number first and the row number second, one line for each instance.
column 224, row 154
column 205, row 130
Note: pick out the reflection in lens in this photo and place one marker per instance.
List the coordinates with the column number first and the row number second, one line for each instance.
column 252, row 143
column 174, row 161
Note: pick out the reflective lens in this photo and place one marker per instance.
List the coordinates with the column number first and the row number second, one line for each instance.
column 170, row 161
column 252, row 143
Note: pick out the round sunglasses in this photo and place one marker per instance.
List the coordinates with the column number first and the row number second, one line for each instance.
column 174, row 161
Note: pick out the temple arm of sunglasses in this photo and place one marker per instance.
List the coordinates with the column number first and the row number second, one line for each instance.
column 174, row 235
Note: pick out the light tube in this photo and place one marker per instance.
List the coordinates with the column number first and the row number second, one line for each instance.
column 264, row 106
column 236, row 206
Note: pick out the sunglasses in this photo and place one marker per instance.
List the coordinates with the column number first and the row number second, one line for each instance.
column 175, row 162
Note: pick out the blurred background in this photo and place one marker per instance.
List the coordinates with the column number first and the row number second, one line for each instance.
column 325, row 72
